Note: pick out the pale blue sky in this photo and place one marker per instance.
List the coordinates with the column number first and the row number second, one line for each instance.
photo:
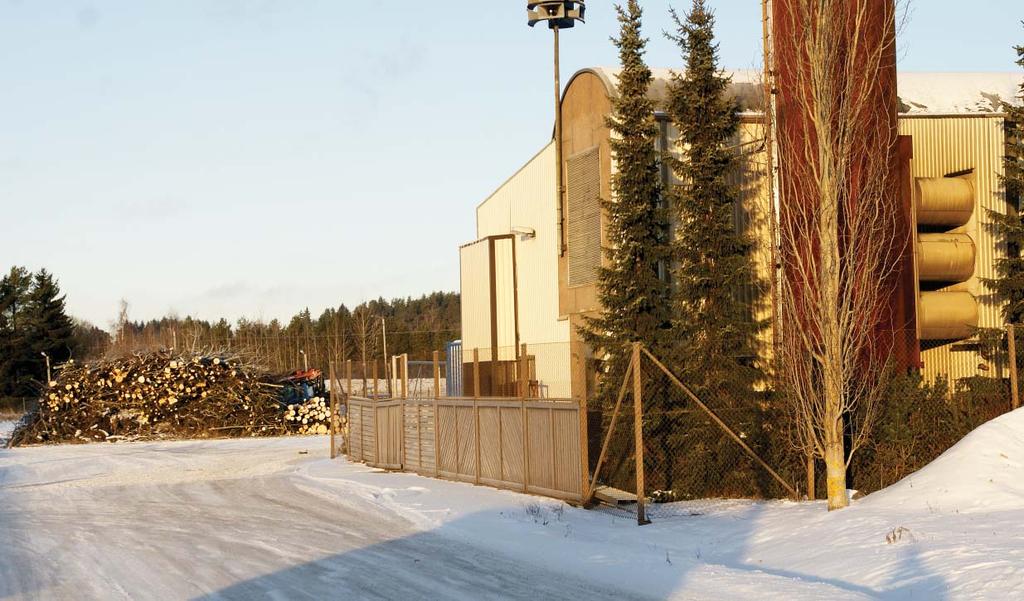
column 253, row 157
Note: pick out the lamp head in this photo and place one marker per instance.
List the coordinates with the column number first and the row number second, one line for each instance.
column 562, row 14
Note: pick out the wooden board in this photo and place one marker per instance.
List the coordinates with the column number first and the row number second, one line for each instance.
column 613, row 496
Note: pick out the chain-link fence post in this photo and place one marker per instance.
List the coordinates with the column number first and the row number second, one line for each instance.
column 437, row 374
column 334, row 409
column 638, row 436
column 1011, row 341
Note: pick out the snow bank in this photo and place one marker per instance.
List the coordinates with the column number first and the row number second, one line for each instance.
column 983, row 472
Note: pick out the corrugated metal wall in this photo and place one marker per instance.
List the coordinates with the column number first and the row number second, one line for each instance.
column 754, row 216
column 949, row 144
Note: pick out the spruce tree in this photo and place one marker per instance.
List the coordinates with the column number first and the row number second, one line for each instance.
column 1009, row 227
column 50, row 329
column 713, row 268
column 16, row 361
column 1008, row 285
column 633, row 292
column 713, row 272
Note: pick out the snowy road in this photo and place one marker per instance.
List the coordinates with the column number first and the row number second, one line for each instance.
column 276, row 519
column 227, row 520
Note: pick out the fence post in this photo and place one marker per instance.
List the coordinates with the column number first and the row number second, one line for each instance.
column 437, row 438
column 524, row 373
column 1011, row 341
column 526, row 447
column 437, row 375
column 476, row 417
column 638, row 437
column 374, row 375
column 393, row 377
column 476, row 373
column 405, row 375
column 334, row 409
column 581, row 415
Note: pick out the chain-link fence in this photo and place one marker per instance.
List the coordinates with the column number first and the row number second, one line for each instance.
column 677, row 448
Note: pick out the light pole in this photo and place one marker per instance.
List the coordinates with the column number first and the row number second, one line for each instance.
column 559, row 14
column 48, row 377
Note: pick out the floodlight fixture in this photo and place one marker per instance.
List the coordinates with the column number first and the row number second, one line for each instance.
column 558, row 14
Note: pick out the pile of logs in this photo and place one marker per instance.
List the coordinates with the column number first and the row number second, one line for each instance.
column 311, row 417
column 157, row 395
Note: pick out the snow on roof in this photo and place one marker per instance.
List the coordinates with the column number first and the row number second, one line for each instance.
column 957, row 92
column 918, row 92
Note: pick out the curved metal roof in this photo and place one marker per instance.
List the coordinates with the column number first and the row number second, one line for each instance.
column 919, row 92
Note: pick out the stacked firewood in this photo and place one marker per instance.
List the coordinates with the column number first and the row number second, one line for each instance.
column 155, row 395
column 310, row 417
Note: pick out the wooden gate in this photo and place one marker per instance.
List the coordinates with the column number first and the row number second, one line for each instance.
column 534, row 446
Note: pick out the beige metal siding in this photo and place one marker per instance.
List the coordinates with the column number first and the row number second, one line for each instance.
column 474, row 260
column 525, row 202
column 949, row 144
column 505, row 297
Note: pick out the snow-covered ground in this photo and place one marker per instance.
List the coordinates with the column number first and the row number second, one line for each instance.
column 6, row 427
column 275, row 518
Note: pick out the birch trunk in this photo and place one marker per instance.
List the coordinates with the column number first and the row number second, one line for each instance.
column 835, row 467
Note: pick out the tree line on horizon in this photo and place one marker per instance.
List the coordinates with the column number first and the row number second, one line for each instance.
column 35, row 326
column 416, row 326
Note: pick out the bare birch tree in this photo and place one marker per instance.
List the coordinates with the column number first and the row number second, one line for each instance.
column 839, row 222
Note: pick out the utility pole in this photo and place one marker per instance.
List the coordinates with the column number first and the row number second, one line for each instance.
column 559, row 14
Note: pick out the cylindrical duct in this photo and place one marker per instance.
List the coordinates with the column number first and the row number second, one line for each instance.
column 947, row 201
column 947, row 315
column 945, row 257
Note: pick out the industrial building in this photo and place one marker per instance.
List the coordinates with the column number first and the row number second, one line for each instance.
column 530, row 277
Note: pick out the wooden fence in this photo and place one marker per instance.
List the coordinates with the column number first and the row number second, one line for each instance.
column 534, row 446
